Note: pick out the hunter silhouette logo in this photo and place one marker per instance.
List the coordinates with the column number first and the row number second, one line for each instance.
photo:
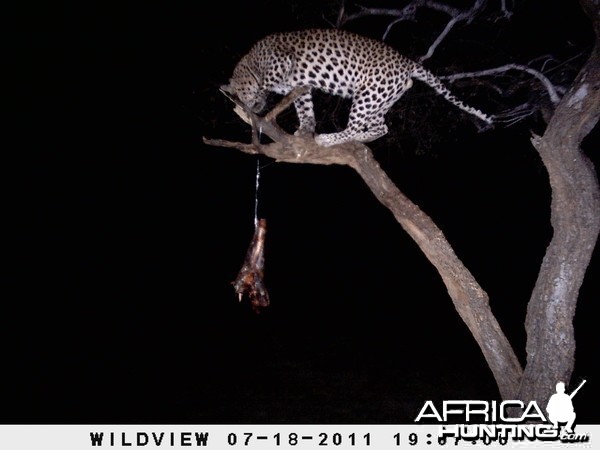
column 501, row 421
column 560, row 407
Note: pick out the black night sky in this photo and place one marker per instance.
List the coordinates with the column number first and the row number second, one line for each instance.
column 124, row 231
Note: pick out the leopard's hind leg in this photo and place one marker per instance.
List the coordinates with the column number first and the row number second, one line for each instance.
column 367, row 116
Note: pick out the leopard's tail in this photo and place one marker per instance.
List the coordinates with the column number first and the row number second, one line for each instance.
column 424, row 75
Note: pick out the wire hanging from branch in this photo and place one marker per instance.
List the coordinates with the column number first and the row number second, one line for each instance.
column 256, row 192
column 250, row 279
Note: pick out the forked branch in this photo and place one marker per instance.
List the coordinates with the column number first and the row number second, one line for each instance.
column 469, row 298
column 409, row 12
column 552, row 92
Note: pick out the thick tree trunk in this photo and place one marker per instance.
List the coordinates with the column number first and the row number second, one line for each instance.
column 575, row 218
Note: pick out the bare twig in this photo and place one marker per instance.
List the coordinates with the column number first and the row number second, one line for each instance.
column 467, row 16
column 517, row 114
column 408, row 13
column 552, row 92
column 251, row 149
column 507, row 13
column 341, row 13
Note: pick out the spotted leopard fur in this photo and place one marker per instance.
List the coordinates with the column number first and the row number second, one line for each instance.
column 337, row 62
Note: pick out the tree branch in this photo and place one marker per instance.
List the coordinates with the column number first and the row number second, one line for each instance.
column 408, row 13
column 552, row 92
column 470, row 300
column 467, row 15
column 505, row 11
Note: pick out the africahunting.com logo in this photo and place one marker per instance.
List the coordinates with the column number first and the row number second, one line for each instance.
column 492, row 421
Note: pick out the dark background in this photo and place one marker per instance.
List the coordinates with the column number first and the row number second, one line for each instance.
column 124, row 232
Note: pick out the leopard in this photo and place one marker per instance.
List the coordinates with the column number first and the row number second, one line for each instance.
column 369, row 72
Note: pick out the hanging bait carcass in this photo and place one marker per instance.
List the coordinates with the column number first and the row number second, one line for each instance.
column 250, row 279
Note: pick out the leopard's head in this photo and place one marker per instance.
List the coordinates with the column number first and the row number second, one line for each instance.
column 246, row 84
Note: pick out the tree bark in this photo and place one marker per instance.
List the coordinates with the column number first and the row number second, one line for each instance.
column 575, row 219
